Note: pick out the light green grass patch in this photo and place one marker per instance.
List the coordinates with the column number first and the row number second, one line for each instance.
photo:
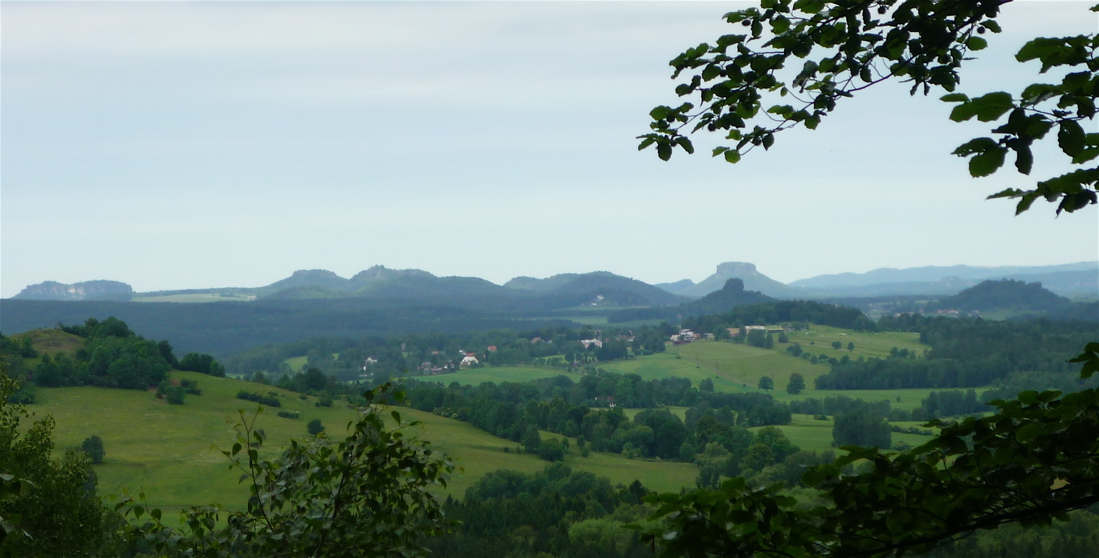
column 654, row 474
column 497, row 374
column 808, row 433
column 904, row 399
column 818, row 340
column 172, row 453
column 53, row 341
column 733, row 367
column 680, row 412
column 811, row 434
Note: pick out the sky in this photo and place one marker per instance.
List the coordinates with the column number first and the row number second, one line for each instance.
column 208, row 144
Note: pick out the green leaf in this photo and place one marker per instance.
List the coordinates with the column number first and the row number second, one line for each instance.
column 686, row 144
column 1070, row 137
column 1090, row 358
column 988, row 162
column 976, row 43
column 992, row 106
column 1024, row 158
column 780, row 25
column 664, row 150
column 732, row 156
column 954, row 98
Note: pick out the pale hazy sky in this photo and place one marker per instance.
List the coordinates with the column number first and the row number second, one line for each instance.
column 191, row 145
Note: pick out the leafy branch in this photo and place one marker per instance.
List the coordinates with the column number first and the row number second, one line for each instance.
column 371, row 494
column 1032, row 461
column 851, row 45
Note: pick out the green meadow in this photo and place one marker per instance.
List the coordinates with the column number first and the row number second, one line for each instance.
column 811, row 434
column 904, row 399
column 172, row 453
column 818, row 339
column 297, row 364
column 497, row 374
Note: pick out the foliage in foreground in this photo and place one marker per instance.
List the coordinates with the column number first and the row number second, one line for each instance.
column 1032, row 461
column 1036, row 457
column 368, row 495
column 846, row 46
column 48, row 507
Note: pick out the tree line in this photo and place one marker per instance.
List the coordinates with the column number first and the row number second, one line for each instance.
column 591, row 410
column 966, row 352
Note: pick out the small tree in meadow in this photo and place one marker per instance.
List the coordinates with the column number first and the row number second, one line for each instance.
column 314, row 427
column 93, row 446
column 796, row 384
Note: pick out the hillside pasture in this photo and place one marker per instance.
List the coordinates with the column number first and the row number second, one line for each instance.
column 733, row 367
column 811, row 434
column 172, row 453
column 818, row 340
column 497, row 374
column 297, row 364
column 904, row 399
column 53, row 341
column 744, row 365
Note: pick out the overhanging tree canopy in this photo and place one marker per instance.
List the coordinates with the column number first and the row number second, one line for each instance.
column 795, row 60
column 1036, row 457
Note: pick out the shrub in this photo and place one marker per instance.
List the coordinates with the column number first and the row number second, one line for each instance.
column 315, row 427
column 191, row 386
column 175, row 395
column 270, row 400
column 93, row 446
column 289, row 414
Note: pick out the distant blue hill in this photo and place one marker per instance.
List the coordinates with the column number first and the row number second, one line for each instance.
column 1076, row 279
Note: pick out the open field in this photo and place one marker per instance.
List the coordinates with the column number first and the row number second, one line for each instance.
column 53, row 341
column 905, row 399
column 297, row 364
column 810, row 434
column 742, row 365
column 680, row 412
column 732, row 366
column 171, row 452
column 497, row 374
column 818, row 339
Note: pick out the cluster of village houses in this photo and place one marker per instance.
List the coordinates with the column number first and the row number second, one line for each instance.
column 686, row 335
column 469, row 359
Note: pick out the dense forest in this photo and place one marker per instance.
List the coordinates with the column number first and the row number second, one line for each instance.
column 108, row 355
column 967, row 352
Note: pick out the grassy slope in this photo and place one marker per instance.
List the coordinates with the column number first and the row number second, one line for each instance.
column 171, row 452
column 477, row 376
